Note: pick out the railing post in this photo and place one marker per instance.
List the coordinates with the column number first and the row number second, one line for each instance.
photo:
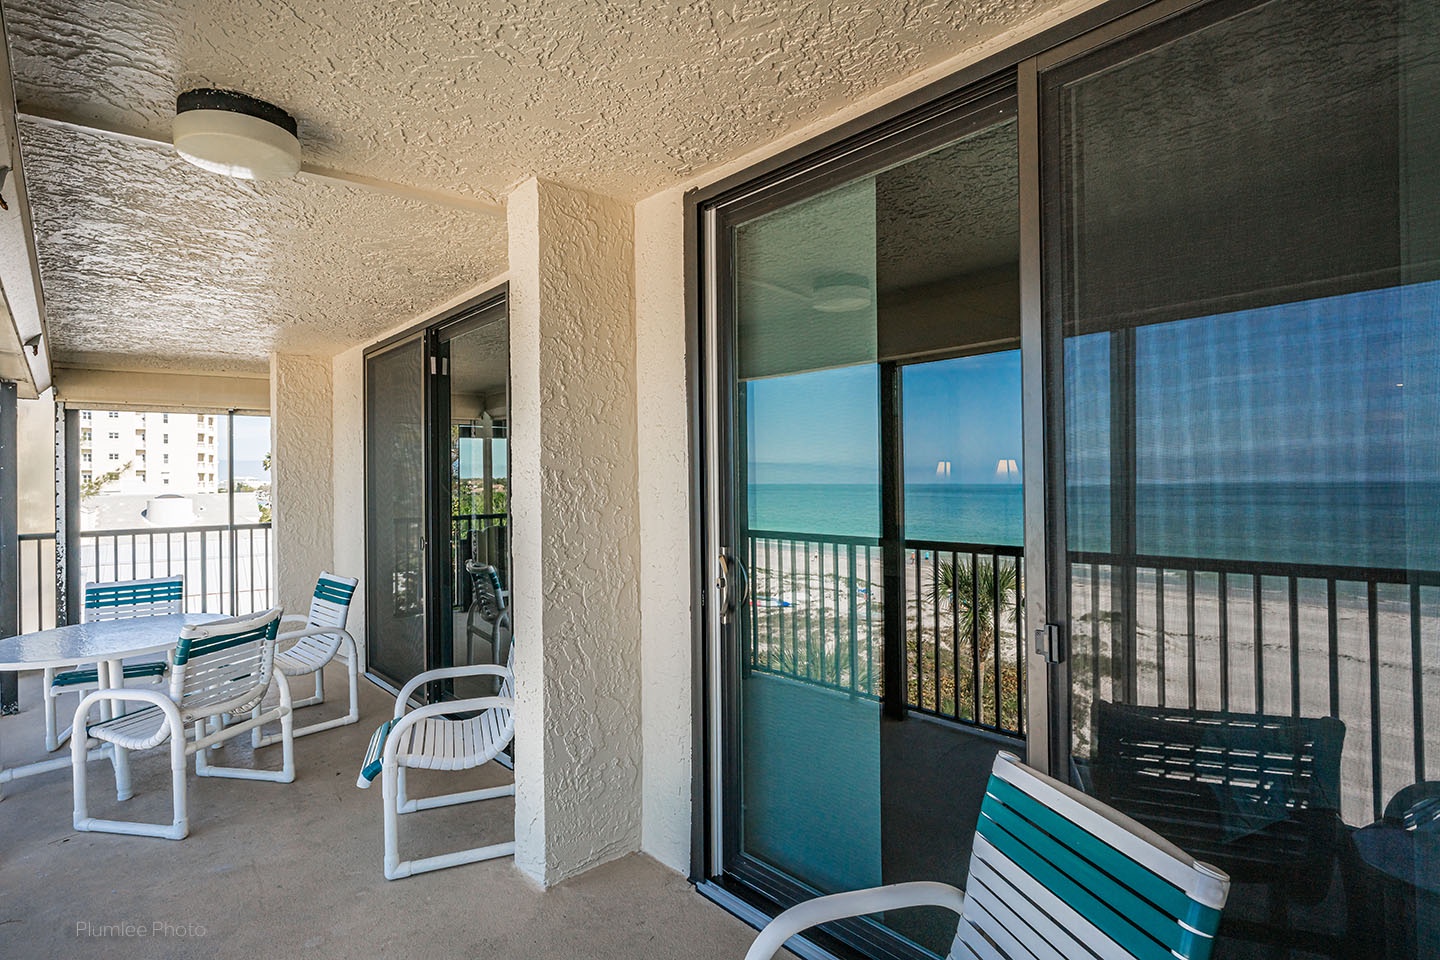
column 892, row 542
column 204, row 576
column 9, row 541
column 854, row 627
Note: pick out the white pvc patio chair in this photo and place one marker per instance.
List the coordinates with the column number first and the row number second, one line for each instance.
column 218, row 668
column 425, row 738
column 323, row 637
column 1054, row 874
column 118, row 600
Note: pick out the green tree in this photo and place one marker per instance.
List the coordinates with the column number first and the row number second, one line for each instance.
column 97, row 483
column 973, row 592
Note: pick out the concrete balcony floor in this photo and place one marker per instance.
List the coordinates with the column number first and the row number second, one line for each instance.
column 289, row 870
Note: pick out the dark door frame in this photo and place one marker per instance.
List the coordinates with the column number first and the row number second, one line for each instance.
column 433, row 334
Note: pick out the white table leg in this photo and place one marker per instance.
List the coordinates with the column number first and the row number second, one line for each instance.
column 111, row 674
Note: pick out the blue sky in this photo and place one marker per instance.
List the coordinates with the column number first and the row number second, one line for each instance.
column 252, row 442
column 1335, row 389
column 823, row 427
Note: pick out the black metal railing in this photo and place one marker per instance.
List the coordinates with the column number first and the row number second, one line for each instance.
column 226, row 568
column 964, row 652
column 1266, row 638
column 815, row 610
column 816, row 613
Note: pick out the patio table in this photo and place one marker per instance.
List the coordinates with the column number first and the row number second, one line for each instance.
column 106, row 643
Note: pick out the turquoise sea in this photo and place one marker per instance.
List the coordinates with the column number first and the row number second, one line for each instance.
column 1394, row 525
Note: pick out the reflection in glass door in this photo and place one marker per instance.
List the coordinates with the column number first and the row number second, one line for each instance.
column 471, row 431
column 1247, row 287
column 870, row 489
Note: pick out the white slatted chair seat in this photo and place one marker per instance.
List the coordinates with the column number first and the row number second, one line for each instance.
column 307, row 651
column 308, row 654
column 1054, row 874
column 118, row 600
column 433, row 737
column 219, row 669
column 138, row 730
column 436, row 743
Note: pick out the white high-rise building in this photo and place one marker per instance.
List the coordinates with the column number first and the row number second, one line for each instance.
column 167, row 452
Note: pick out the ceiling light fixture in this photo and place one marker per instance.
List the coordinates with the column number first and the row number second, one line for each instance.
column 236, row 134
column 840, row 293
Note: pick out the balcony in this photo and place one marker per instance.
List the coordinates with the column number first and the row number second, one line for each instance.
column 270, row 867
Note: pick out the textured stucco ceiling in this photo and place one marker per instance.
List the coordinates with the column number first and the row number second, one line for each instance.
column 149, row 263
column 152, row 263
column 621, row 97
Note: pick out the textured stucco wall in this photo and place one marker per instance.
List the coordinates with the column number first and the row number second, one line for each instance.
column 301, row 474
column 664, row 463
column 348, row 424
column 575, row 539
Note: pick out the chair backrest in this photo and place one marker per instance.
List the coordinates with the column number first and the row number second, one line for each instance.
column 488, row 599
column 1058, row 874
column 1241, row 790
column 224, row 662
column 330, row 606
column 122, row 599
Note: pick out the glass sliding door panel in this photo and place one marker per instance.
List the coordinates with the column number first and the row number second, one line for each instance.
column 478, row 383
column 1248, row 288
column 395, row 451
column 875, row 371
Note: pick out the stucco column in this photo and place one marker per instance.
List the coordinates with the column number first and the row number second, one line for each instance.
column 664, row 444
column 301, row 477
column 575, row 539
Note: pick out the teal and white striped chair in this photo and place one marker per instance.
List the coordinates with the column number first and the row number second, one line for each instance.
column 311, row 648
column 221, row 668
column 428, row 738
column 1054, row 874
column 119, row 600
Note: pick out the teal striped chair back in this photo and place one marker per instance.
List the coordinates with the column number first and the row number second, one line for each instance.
column 1057, row 874
column 330, row 606
column 224, row 663
column 122, row 599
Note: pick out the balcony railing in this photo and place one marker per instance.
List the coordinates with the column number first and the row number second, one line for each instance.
column 1267, row 638
column 816, row 614
column 226, row 569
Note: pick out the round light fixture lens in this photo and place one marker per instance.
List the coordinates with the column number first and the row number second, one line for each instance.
column 841, row 293
column 235, row 134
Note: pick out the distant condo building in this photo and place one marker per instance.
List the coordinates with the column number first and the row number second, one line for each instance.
column 167, row 452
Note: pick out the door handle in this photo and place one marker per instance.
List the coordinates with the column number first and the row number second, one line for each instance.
column 731, row 569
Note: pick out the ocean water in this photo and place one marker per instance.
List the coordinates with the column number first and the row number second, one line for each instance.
column 977, row 513
column 1395, row 525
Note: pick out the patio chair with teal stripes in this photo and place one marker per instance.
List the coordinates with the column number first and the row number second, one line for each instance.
column 323, row 638
column 118, row 600
column 438, row 736
column 219, row 668
column 1054, row 874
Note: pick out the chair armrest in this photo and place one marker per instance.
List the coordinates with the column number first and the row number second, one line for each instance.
column 129, row 694
column 312, row 632
column 854, row 903
column 439, row 709
column 448, row 673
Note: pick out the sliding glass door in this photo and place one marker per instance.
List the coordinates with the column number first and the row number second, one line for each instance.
column 1245, row 292
column 437, row 569
column 871, row 649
